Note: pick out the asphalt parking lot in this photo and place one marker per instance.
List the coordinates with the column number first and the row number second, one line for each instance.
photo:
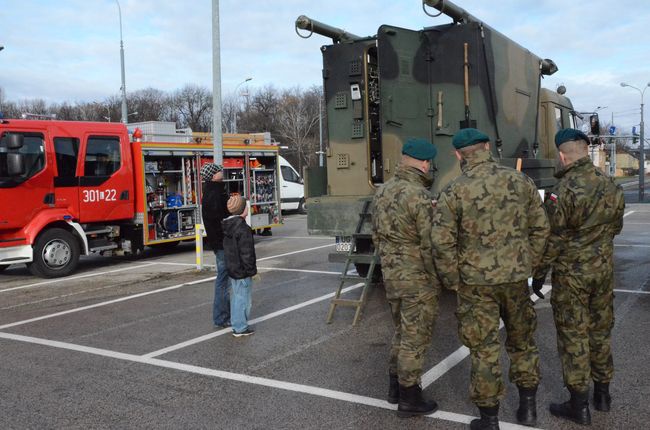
column 130, row 344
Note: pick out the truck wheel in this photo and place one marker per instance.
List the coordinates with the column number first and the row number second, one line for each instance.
column 301, row 207
column 56, row 254
column 362, row 270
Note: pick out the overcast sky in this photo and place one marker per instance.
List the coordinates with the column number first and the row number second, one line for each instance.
column 68, row 50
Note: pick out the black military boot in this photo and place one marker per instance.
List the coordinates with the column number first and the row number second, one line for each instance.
column 489, row 419
column 576, row 409
column 527, row 412
column 412, row 403
column 393, row 389
column 602, row 399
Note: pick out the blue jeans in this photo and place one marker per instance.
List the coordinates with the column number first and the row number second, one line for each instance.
column 240, row 303
column 221, row 305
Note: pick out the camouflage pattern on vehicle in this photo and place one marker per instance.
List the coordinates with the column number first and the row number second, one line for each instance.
column 585, row 210
column 400, row 83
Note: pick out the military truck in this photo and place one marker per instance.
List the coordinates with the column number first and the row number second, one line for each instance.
column 401, row 83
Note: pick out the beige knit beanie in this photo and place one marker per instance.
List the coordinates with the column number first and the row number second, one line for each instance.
column 236, row 205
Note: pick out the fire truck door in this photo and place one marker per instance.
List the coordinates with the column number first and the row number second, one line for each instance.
column 25, row 196
column 106, row 190
column 66, row 181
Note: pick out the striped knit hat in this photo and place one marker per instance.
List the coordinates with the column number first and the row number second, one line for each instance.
column 236, row 205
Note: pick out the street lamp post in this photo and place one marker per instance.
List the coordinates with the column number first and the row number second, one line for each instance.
column 234, row 121
column 642, row 146
column 124, row 113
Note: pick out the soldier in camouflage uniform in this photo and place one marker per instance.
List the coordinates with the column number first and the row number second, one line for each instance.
column 402, row 218
column 489, row 229
column 585, row 209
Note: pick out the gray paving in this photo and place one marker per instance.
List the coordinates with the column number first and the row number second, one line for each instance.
column 98, row 363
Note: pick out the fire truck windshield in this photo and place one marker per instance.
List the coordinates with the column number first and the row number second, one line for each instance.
column 33, row 151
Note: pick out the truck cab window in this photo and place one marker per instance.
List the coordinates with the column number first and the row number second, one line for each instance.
column 558, row 119
column 289, row 175
column 102, row 156
column 67, row 151
column 34, row 151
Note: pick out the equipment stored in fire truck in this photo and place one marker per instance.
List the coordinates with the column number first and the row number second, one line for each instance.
column 76, row 188
column 429, row 83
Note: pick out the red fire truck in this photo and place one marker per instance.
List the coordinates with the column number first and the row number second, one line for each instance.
column 75, row 188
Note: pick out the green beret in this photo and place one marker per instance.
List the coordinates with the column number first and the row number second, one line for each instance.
column 468, row 137
column 420, row 149
column 568, row 134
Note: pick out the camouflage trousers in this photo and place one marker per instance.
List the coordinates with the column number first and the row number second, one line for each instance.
column 414, row 307
column 478, row 313
column 583, row 309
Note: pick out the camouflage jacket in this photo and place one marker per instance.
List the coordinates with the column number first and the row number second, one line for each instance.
column 401, row 226
column 489, row 227
column 585, row 209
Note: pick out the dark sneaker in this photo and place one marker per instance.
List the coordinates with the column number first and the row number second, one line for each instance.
column 246, row 332
column 224, row 325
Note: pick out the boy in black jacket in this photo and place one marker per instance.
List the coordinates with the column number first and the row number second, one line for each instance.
column 241, row 263
column 214, row 211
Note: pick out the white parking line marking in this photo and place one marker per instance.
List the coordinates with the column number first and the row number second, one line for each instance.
column 628, row 213
column 459, row 355
column 281, row 269
column 295, row 252
column 238, row 377
column 259, row 259
column 631, row 291
column 169, row 263
column 110, row 302
column 70, row 278
column 278, row 269
column 253, row 321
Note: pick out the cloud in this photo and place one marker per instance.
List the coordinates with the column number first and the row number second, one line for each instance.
column 69, row 49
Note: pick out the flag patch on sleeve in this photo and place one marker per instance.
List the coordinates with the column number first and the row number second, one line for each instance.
column 553, row 197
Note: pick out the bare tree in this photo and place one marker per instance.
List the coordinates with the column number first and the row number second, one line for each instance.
column 298, row 123
column 229, row 109
column 193, row 104
column 150, row 104
column 261, row 112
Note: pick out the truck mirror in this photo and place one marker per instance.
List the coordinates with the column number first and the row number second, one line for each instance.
column 15, row 164
column 594, row 124
column 15, row 140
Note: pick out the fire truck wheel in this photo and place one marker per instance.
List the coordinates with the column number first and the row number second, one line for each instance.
column 56, row 254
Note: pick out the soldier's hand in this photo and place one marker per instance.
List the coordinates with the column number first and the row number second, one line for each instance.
column 537, row 287
column 257, row 277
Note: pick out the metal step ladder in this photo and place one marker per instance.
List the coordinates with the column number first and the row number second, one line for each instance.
column 372, row 259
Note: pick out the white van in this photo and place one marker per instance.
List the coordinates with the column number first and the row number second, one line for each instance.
column 292, row 190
